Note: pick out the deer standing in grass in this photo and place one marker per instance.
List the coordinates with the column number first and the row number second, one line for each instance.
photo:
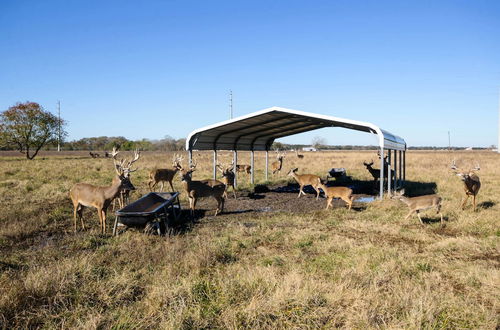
column 165, row 174
column 471, row 183
column 420, row 203
column 305, row 180
column 124, row 197
column 244, row 168
column 299, row 156
column 87, row 195
column 227, row 177
column 343, row 193
column 278, row 164
column 201, row 189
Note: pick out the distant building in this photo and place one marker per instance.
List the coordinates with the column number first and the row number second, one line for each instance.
column 469, row 148
column 309, row 149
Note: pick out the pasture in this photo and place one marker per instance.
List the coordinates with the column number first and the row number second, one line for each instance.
column 269, row 262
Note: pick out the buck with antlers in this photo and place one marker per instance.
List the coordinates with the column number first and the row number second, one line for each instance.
column 227, row 177
column 305, row 180
column 419, row 203
column 201, row 189
column 277, row 165
column 165, row 174
column 87, row 195
column 343, row 193
column 471, row 183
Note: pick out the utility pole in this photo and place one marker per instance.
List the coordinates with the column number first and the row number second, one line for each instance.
column 498, row 145
column 230, row 104
column 59, row 126
column 449, row 141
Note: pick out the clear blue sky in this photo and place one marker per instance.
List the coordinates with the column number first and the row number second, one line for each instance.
column 153, row 68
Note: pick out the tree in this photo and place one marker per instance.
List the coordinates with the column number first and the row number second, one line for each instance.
column 27, row 127
column 317, row 142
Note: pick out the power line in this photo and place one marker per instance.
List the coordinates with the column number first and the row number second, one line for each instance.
column 230, row 104
column 59, row 126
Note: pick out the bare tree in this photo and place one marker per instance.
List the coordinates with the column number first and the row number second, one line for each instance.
column 317, row 142
column 27, row 127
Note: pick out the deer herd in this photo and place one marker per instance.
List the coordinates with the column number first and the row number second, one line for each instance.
column 100, row 197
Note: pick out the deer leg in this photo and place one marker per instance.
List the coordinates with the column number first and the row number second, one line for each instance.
column 103, row 221
column 161, row 186
column 328, row 203
column 409, row 215
column 75, row 207
column 80, row 214
column 474, row 202
column 464, row 201
column 172, row 186
column 234, row 192
column 419, row 218
column 317, row 192
column 349, row 202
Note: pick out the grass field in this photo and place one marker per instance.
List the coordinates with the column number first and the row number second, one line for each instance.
column 313, row 269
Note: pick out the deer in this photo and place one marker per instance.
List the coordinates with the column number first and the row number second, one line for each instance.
column 375, row 172
column 93, row 154
column 227, row 177
column 87, row 195
column 471, row 183
column 124, row 197
column 165, row 174
column 305, row 180
column 278, row 164
column 201, row 189
column 299, row 156
column 244, row 168
column 419, row 203
column 343, row 193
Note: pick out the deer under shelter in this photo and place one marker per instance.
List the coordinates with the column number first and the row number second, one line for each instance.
column 258, row 130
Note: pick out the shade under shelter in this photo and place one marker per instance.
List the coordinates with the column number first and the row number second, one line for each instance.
column 258, row 130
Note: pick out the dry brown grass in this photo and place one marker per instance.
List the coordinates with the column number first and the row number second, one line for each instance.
column 319, row 269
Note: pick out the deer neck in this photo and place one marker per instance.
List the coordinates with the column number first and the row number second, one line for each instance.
column 404, row 199
column 113, row 190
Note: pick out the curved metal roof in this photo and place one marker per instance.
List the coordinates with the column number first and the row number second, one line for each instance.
column 258, row 130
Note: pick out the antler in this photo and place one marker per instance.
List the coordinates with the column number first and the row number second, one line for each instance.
column 118, row 166
column 137, row 155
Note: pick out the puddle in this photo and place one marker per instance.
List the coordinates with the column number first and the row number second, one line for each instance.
column 365, row 199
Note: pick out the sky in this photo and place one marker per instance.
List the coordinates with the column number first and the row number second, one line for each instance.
column 148, row 69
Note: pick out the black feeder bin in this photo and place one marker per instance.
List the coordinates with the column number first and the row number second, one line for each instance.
column 154, row 211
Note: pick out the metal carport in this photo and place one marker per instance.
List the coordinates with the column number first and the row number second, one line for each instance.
column 258, row 130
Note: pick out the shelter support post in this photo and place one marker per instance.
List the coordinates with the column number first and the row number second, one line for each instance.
column 252, row 168
column 235, row 160
column 404, row 166
column 395, row 179
column 389, row 172
column 215, row 164
column 381, row 179
column 267, row 165
column 400, row 181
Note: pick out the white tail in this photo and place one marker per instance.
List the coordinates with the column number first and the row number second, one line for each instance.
column 200, row 189
column 419, row 203
column 471, row 182
column 343, row 193
column 163, row 175
column 87, row 195
column 305, row 180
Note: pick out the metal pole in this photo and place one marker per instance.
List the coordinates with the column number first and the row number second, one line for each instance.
column 389, row 174
column 395, row 185
column 215, row 164
column 381, row 193
column 252, row 169
column 235, row 160
column 267, row 165
column 404, row 166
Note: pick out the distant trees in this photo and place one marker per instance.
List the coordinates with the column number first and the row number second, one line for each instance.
column 107, row 143
column 318, row 142
column 27, row 127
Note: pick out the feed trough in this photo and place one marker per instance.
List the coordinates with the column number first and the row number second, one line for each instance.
column 336, row 172
column 154, row 211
